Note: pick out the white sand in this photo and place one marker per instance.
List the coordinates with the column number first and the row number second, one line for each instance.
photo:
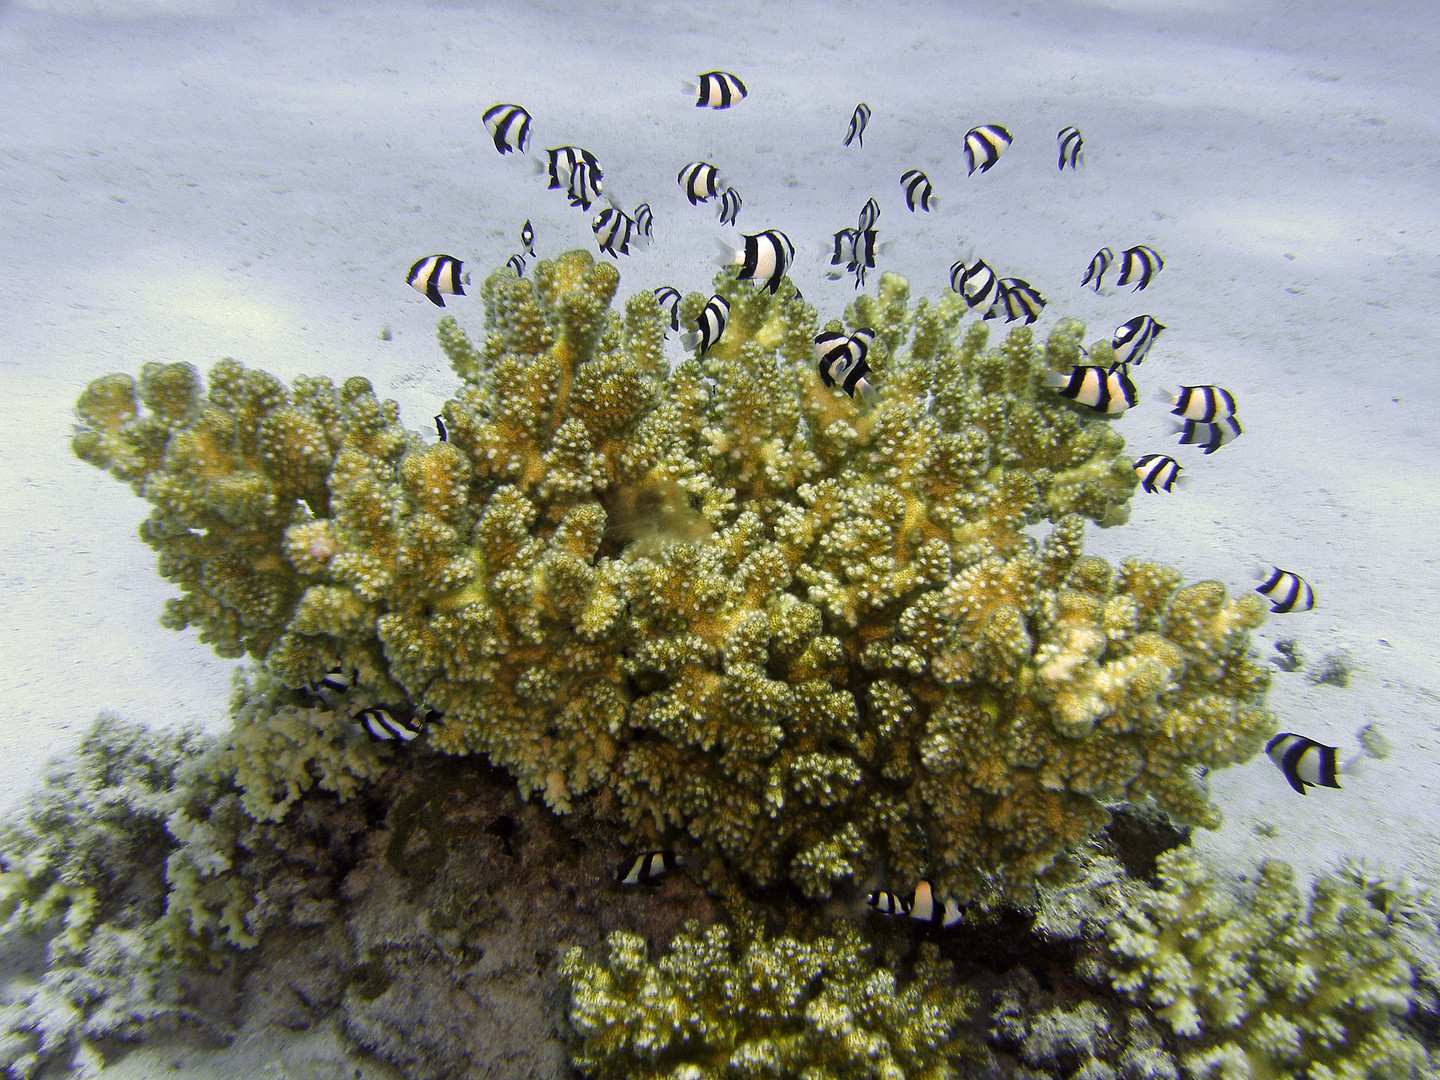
column 190, row 180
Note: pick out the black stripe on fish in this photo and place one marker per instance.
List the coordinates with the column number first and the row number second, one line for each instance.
column 646, row 868
column 1072, row 147
column 1134, row 337
column 667, row 296
column 1096, row 270
column 700, row 181
column 984, row 145
column 1139, row 264
column 858, row 119
column 918, row 190
column 1157, row 471
column 1304, row 762
column 1286, row 592
column 436, row 274
column 709, row 326
column 509, row 126
column 719, row 90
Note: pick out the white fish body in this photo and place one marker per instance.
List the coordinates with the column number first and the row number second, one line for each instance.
column 984, row 145
column 1286, row 592
column 437, row 274
column 717, row 90
column 1109, row 393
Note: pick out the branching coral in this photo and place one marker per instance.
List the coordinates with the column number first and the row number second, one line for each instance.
column 815, row 638
column 1264, row 985
column 714, row 1006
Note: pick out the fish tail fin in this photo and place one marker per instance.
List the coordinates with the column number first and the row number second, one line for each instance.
column 689, row 86
column 1355, row 765
column 1056, row 379
column 725, row 254
column 1164, row 395
column 689, row 340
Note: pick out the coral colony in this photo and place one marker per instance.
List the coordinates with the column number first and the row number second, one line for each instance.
column 808, row 612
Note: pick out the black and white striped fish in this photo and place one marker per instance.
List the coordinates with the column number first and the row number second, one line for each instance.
column 527, row 237
column 516, row 262
column 1206, row 404
column 1016, row 299
column 1108, row 392
column 765, row 258
column 1134, row 337
column 440, row 428
column 436, row 274
column 864, row 256
column 869, row 214
column 1072, row 147
column 509, row 126
column 384, row 726
column 1286, row 592
column 700, row 181
column 888, row 903
column 858, row 119
column 919, row 192
column 613, row 229
column 647, row 867
column 977, row 284
column 923, row 906
column 1139, row 264
column 644, row 221
column 841, row 360
column 1096, row 270
column 668, row 297
column 984, row 145
column 842, row 257
column 709, row 326
column 585, row 185
column 334, row 680
column 729, row 206
column 1307, row 763
column 716, row 90
column 560, row 163
column 1157, row 471
column 1209, row 437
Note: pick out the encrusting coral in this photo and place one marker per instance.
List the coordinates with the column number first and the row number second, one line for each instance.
column 722, row 1004
column 804, row 639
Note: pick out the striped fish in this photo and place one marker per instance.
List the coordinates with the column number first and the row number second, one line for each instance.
column 1107, row 392
column 925, row 907
column 561, row 161
column 1134, row 337
column 516, row 262
column 888, row 903
column 1139, row 264
column 668, row 297
column 334, row 680
column 1209, row 437
column 1305, row 762
column 858, row 119
column 1286, row 592
column 1205, row 404
column 585, row 185
column 527, row 237
column 613, row 229
column 918, row 190
column 864, row 257
column 384, row 726
column 440, row 428
column 840, row 361
column 1157, row 471
column 765, row 257
column 842, row 257
column 644, row 221
column 436, row 274
column 1096, row 270
column 509, row 126
column 700, row 181
column 717, row 90
column 647, row 868
column 709, row 326
column 1016, row 299
column 869, row 214
column 729, row 206
column 984, row 145
column 1072, row 147
column 977, row 284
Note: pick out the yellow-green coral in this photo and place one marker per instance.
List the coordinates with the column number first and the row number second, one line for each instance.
column 815, row 639
column 716, row 1007
column 1263, row 986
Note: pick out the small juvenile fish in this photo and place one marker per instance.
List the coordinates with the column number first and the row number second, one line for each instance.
column 709, row 326
column 561, row 162
column 924, row 907
column 976, row 284
column 334, row 679
column 1108, row 392
column 1133, row 339
column 667, row 296
column 765, row 258
column 918, row 190
column 858, row 120
column 729, row 206
column 440, row 428
column 1286, row 592
column 516, row 262
column 644, row 221
column 869, row 214
column 509, row 126
column 613, row 228
column 888, row 903
column 1206, row 404
column 1209, row 437
column 1139, row 264
column 843, row 253
column 1098, row 265
column 647, row 868
column 1157, row 471
column 700, row 181
column 1305, row 762
column 1017, row 299
column 436, row 274
column 1072, row 147
column 716, row 90
column 383, row 726
column 984, row 145
column 527, row 237
column 585, row 185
